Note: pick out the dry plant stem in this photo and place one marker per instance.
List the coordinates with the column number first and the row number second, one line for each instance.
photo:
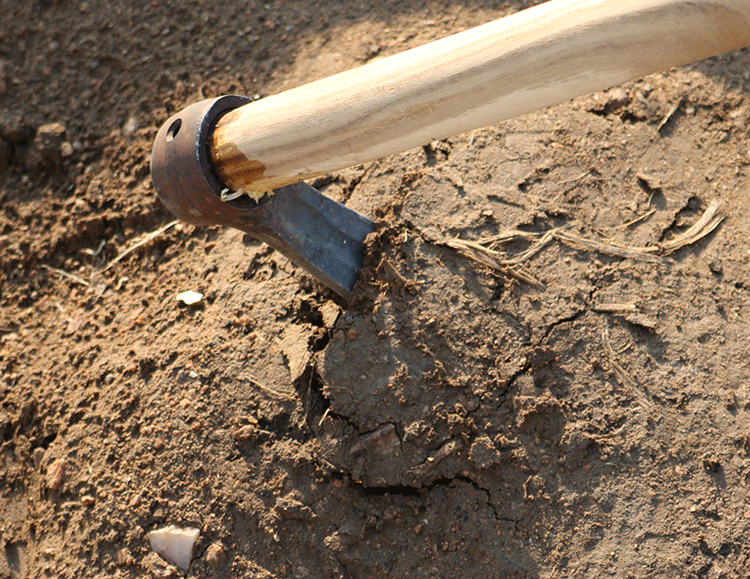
column 491, row 259
column 623, row 376
column 505, row 237
column 543, row 242
column 707, row 222
column 275, row 393
column 480, row 252
column 530, row 60
column 638, row 219
column 70, row 276
column 669, row 115
column 143, row 241
column 605, row 248
column 623, row 308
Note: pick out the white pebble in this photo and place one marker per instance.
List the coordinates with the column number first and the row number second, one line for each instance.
column 189, row 297
column 130, row 126
column 174, row 545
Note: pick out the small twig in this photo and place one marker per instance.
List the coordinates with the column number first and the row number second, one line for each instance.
column 443, row 452
column 325, row 415
column 148, row 237
column 70, row 276
column 98, row 250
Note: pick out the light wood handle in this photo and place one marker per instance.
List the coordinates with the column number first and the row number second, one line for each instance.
column 527, row 61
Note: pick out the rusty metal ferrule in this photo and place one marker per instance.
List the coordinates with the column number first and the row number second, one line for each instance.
column 181, row 162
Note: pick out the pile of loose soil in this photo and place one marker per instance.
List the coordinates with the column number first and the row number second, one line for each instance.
column 588, row 416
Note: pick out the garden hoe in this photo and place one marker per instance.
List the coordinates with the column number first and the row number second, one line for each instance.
column 234, row 162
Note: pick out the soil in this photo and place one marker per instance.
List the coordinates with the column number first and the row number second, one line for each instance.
column 449, row 420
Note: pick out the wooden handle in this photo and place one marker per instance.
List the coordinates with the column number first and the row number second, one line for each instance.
column 527, row 61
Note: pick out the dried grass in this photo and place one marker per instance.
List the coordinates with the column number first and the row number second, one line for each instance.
column 141, row 242
column 492, row 259
column 485, row 251
column 70, row 276
column 625, row 378
column 707, row 222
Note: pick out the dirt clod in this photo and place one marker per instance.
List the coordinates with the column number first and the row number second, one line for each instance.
column 56, row 474
column 45, row 152
column 14, row 128
column 245, row 432
column 215, row 556
column 290, row 507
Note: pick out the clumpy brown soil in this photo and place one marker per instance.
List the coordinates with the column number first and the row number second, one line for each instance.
column 448, row 421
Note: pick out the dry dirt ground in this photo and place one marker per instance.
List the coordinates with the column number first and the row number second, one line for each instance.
column 450, row 420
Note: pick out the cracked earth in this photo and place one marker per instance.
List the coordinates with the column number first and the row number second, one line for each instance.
column 448, row 421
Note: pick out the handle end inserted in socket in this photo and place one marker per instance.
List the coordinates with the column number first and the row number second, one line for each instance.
column 318, row 234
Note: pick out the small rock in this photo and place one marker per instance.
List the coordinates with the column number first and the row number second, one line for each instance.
column 189, row 298
column 244, row 432
column 616, row 98
column 215, row 555
column 56, row 474
column 130, row 126
column 330, row 312
column 295, row 348
column 576, row 447
column 124, row 558
column 649, row 183
column 51, row 132
column 609, row 101
column 87, row 500
column 66, row 150
column 174, row 545
column 46, row 149
column 712, row 464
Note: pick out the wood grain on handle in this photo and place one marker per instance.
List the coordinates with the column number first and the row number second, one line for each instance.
column 527, row 61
